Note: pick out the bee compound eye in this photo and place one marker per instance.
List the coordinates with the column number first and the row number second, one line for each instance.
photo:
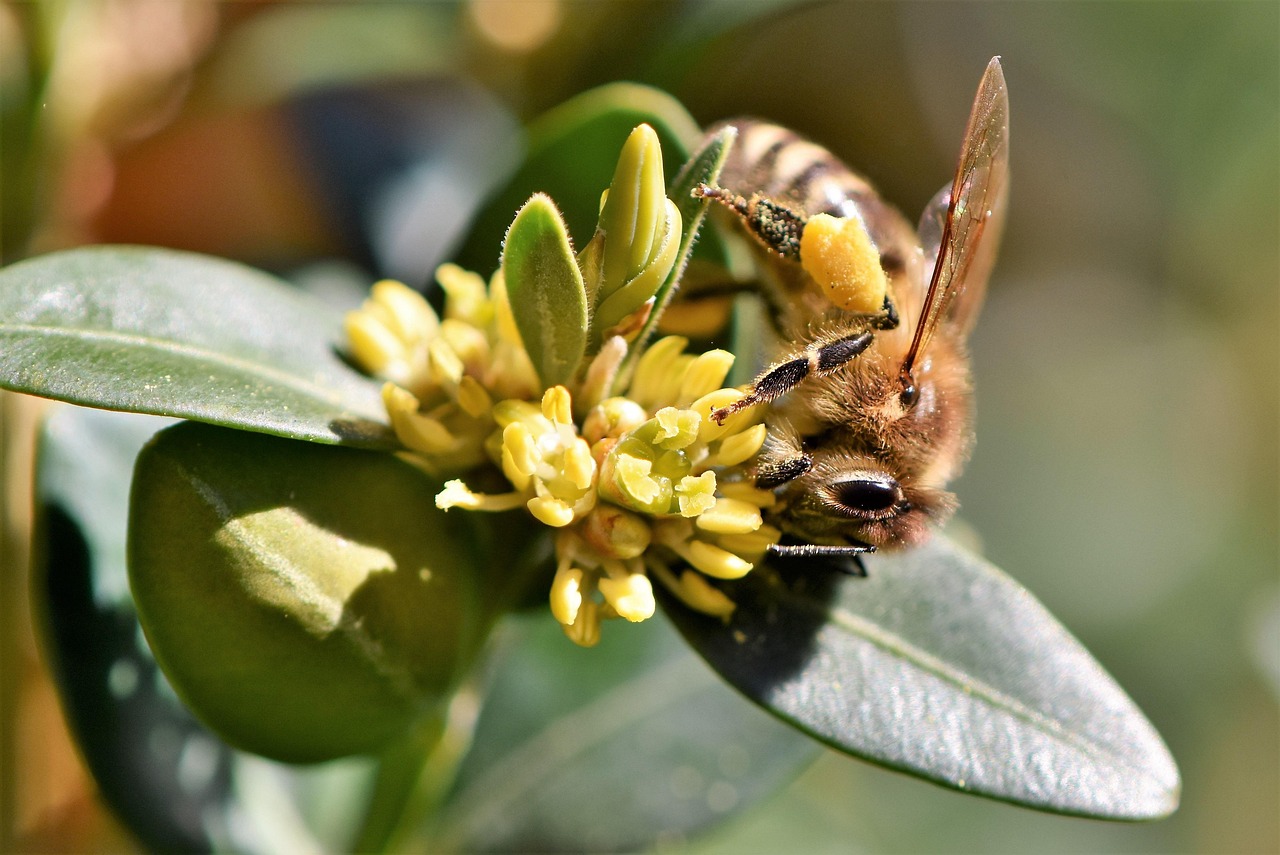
column 868, row 495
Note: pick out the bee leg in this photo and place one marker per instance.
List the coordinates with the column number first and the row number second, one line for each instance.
column 775, row 474
column 777, row 226
column 782, row 378
column 839, row 559
column 888, row 320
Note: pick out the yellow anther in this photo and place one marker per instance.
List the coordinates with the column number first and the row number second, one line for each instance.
column 416, row 431
column 706, row 374
column 469, row 343
column 719, row 399
column 699, row 594
column 408, row 315
column 446, row 367
column 520, row 455
column 715, row 561
column 631, row 597
column 753, row 545
column 696, row 494
column 510, row 410
column 746, row 492
column 473, row 398
column 838, row 253
column 654, row 369
column 740, row 447
column 466, row 296
column 551, row 511
column 375, row 348
column 730, row 516
column 585, row 630
column 579, row 465
column 566, row 594
column 556, row 405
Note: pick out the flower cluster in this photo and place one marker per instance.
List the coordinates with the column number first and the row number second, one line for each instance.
column 639, row 486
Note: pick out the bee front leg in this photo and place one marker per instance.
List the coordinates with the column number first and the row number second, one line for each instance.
column 782, row 378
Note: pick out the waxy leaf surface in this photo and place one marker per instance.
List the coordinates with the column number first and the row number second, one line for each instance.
column 178, row 334
column 941, row 666
column 610, row 749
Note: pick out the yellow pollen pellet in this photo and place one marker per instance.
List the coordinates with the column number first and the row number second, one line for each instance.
column 730, row 516
column 741, row 446
column 837, row 252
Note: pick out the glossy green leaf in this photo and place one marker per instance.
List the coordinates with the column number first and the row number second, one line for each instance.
column 177, row 334
column 941, row 666
column 615, row 748
column 545, row 287
column 571, row 154
column 307, row 602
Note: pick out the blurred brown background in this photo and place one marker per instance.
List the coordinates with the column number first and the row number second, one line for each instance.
column 1127, row 361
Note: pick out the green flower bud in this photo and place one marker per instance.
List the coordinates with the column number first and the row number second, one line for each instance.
column 298, row 621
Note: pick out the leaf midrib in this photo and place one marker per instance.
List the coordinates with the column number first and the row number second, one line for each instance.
column 971, row 687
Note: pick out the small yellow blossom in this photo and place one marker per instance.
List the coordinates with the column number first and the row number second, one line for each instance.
column 640, row 486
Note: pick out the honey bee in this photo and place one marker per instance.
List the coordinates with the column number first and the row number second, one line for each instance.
column 869, row 403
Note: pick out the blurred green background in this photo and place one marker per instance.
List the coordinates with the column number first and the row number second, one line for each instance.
column 1127, row 360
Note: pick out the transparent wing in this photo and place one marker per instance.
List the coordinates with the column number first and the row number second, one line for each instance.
column 975, row 208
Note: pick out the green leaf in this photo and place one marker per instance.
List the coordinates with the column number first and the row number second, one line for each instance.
column 614, row 748
column 941, row 666
column 307, row 602
column 572, row 152
column 178, row 334
column 548, row 298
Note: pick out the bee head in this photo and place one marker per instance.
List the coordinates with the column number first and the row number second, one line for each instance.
column 875, row 467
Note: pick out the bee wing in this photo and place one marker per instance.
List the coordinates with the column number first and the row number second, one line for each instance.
column 965, row 245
